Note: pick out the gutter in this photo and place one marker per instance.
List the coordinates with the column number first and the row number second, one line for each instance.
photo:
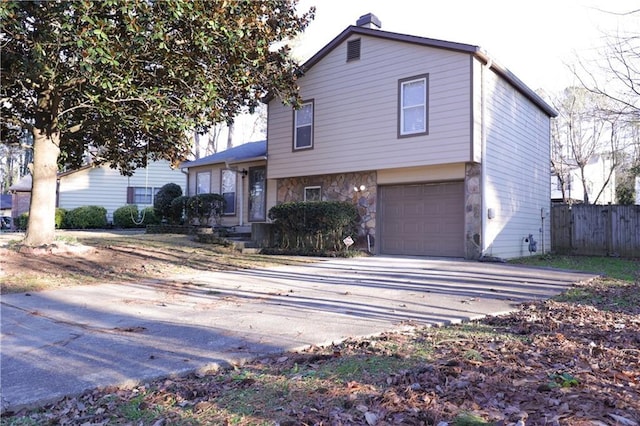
column 483, row 161
column 516, row 82
column 245, row 160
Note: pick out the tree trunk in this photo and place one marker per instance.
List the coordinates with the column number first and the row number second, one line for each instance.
column 46, row 149
column 230, row 136
column 585, row 187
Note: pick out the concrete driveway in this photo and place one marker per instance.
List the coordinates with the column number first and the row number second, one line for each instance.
column 62, row 342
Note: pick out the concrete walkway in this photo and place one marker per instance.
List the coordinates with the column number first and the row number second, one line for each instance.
column 62, row 342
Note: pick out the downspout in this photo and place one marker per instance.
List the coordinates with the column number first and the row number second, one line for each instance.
column 240, row 201
column 483, row 159
column 186, row 173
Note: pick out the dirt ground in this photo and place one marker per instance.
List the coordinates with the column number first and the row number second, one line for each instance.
column 85, row 257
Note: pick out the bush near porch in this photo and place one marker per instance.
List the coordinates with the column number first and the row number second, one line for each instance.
column 313, row 227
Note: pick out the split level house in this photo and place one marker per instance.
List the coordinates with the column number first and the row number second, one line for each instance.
column 443, row 150
column 103, row 186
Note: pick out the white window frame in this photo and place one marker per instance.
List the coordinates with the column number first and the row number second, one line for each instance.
column 203, row 183
column 423, row 105
column 143, row 195
column 297, row 125
column 230, row 208
column 313, row 188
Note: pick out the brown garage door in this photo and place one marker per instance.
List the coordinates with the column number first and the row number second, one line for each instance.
column 422, row 219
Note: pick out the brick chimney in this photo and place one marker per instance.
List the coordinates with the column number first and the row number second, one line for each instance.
column 369, row 21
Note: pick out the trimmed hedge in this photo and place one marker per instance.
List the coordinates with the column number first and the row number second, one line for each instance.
column 86, row 217
column 314, row 226
column 149, row 217
column 60, row 215
column 163, row 202
column 22, row 222
column 202, row 208
column 177, row 210
column 127, row 217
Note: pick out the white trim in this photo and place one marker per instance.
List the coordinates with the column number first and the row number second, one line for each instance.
column 423, row 105
column 297, row 126
column 312, row 187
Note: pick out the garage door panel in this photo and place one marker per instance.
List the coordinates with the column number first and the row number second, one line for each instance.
column 423, row 219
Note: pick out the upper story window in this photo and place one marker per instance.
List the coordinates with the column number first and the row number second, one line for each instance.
column 303, row 126
column 412, row 106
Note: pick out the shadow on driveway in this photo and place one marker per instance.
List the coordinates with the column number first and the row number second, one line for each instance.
column 62, row 342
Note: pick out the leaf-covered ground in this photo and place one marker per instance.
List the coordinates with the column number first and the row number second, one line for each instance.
column 573, row 361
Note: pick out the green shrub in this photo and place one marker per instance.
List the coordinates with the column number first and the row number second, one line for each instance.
column 22, row 221
column 149, row 217
column 162, row 203
column 315, row 227
column 177, row 211
column 86, row 217
column 60, row 214
column 202, row 208
column 127, row 217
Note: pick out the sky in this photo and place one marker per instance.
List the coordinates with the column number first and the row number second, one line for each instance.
column 536, row 40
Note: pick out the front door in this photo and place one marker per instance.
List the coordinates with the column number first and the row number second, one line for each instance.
column 257, row 194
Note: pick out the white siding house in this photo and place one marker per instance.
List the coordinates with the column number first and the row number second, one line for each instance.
column 106, row 187
column 444, row 151
column 598, row 176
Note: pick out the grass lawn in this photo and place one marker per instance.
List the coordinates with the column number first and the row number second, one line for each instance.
column 611, row 267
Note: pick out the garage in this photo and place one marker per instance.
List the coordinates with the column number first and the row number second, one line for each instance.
column 422, row 219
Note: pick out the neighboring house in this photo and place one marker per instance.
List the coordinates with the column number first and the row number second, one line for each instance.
column 239, row 175
column 5, row 212
column 596, row 174
column 444, row 151
column 20, row 197
column 5, row 204
column 103, row 186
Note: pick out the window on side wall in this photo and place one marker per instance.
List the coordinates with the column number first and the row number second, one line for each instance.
column 312, row 193
column 413, row 106
column 203, row 183
column 303, row 126
column 228, row 191
column 141, row 195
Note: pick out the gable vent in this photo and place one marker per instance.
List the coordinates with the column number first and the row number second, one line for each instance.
column 353, row 50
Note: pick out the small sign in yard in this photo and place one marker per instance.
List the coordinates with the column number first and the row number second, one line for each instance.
column 348, row 242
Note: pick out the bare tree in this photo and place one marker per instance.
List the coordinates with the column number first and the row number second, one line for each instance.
column 615, row 73
column 588, row 128
column 246, row 127
column 213, row 138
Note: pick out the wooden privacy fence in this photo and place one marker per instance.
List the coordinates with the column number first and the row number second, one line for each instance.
column 596, row 230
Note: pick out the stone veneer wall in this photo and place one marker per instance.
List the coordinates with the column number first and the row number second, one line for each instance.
column 338, row 187
column 473, row 210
